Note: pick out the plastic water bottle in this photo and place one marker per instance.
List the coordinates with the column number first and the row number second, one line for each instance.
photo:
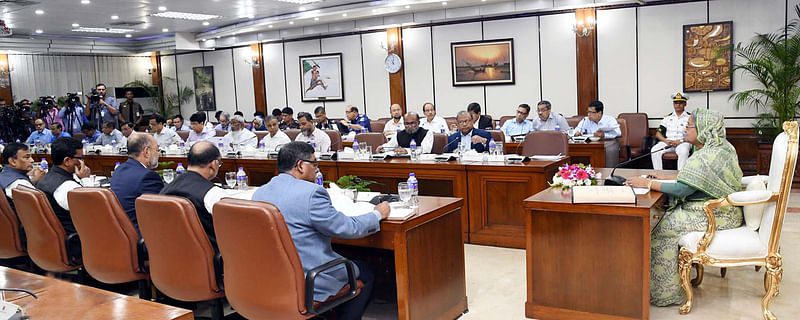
column 179, row 170
column 363, row 129
column 413, row 146
column 313, row 144
column 319, row 178
column 43, row 164
column 113, row 143
column 492, row 146
column 17, row 141
column 558, row 127
column 261, row 147
column 85, row 143
column 241, row 179
column 414, row 185
column 497, row 127
column 355, row 145
column 443, row 130
column 183, row 147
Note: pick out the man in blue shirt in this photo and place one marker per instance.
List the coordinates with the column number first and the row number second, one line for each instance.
column 354, row 122
column 41, row 134
column 91, row 133
column 57, row 131
column 547, row 120
column 104, row 110
column 518, row 126
column 73, row 119
column 467, row 136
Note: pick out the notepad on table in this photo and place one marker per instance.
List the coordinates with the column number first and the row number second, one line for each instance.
column 603, row 194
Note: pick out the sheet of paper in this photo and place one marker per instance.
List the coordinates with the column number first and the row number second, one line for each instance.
column 398, row 212
column 366, row 196
column 603, row 194
column 641, row 190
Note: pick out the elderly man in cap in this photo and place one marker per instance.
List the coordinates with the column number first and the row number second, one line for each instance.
column 671, row 132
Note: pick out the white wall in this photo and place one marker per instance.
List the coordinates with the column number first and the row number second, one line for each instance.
column 418, row 68
column 616, row 60
column 274, row 76
column 243, row 74
column 376, row 79
column 559, row 70
column 185, row 63
column 224, row 91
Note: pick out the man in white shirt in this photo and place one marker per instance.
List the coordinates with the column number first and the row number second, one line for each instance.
column 239, row 137
column 199, row 132
column 67, row 156
column 396, row 123
column 603, row 126
column 110, row 135
column 547, row 120
column 432, row 122
column 17, row 164
column 224, row 122
column 164, row 136
column 671, row 132
column 178, row 124
column 309, row 133
column 275, row 138
column 401, row 142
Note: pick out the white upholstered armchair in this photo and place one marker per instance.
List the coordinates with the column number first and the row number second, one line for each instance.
column 745, row 245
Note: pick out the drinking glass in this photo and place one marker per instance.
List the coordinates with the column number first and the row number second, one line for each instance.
column 351, row 193
column 404, row 191
column 93, row 179
column 499, row 148
column 169, row 175
column 230, row 179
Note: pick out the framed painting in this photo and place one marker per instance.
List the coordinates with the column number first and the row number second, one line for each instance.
column 204, row 88
column 321, row 78
column 484, row 62
column 706, row 61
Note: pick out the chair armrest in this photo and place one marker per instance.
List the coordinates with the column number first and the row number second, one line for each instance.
column 647, row 143
column 746, row 198
column 219, row 273
column 327, row 305
column 141, row 252
column 72, row 242
column 746, row 180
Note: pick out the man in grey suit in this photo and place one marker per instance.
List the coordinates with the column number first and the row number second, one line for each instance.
column 313, row 221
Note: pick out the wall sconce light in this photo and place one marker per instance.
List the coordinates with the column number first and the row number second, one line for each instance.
column 151, row 70
column 254, row 59
column 583, row 27
column 391, row 46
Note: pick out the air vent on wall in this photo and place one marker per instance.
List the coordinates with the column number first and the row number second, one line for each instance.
column 127, row 23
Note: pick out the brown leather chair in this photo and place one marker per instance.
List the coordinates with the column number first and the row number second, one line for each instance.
column 183, row 134
column 373, row 139
column 263, row 274
column 292, row 133
column 261, row 134
column 221, row 133
column 79, row 135
column 384, row 120
column 336, row 140
column 451, row 121
column 46, row 239
column 439, row 142
column 545, row 143
column 498, row 135
column 573, row 121
column 503, row 119
column 624, row 144
column 377, row 125
column 183, row 264
column 637, row 132
column 111, row 247
column 11, row 245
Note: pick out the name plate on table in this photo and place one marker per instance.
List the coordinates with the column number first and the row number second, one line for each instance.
column 603, row 194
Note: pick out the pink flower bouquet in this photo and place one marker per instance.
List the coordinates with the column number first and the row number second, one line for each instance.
column 570, row 175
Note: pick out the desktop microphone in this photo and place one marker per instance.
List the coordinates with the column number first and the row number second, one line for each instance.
column 451, row 142
column 388, row 197
column 613, row 180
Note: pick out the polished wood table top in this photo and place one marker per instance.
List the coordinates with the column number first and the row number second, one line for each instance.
column 59, row 299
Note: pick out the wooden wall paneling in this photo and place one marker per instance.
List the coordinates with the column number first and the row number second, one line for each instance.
column 155, row 61
column 586, row 53
column 5, row 93
column 259, row 91
column 397, row 82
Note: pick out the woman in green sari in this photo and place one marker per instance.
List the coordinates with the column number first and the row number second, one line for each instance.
column 711, row 172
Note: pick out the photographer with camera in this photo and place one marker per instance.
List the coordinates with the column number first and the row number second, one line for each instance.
column 48, row 110
column 15, row 121
column 102, row 108
column 71, row 113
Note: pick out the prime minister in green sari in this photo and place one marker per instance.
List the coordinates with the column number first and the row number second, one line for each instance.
column 711, row 172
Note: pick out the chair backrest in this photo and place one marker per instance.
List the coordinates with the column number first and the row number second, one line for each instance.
column 781, row 172
column 183, row 134
column 292, row 133
column 377, row 125
column 545, row 143
column 336, row 140
column 261, row 134
column 108, row 238
column 384, row 120
column 439, row 142
column 498, row 135
column 10, row 241
column 46, row 238
column 637, row 128
column 79, row 135
column 373, row 139
column 181, row 256
column 263, row 274
column 503, row 119
column 623, row 138
column 221, row 133
column 451, row 121
column 573, row 121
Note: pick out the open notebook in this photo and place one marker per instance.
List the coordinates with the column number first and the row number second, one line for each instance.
column 345, row 205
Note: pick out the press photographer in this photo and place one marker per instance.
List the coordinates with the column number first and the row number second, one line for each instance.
column 102, row 108
column 15, row 121
column 72, row 113
column 48, row 110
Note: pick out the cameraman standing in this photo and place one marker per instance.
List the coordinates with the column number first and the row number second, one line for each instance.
column 102, row 108
column 48, row 110
column 71, row 114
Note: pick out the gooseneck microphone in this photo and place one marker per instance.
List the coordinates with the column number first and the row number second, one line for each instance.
column 613, row 180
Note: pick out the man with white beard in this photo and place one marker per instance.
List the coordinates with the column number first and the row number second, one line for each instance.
column 239, row 137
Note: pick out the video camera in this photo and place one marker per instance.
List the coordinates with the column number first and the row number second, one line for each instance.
column 95, row 97
column 73, row 99
column 46, row 102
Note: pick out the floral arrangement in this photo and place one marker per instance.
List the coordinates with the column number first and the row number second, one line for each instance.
column 579, row 174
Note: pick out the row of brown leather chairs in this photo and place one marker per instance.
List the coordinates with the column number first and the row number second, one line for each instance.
column 260, row 257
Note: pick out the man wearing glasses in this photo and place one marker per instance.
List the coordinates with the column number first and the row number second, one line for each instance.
column 548, row 120
column 354, row 122
column 467, row 136
column 40, row 135
column 135, row 177
column 519, row 126
column 402, row 141
column 603, row 126
column 312, row 221
column 67, row 154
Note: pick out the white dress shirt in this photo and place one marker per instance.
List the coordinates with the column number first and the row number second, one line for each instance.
column 272, row 143
column 167, row 137
column 214, row 195
column 204, row 135
column 242, row 138
column 321, row 139
column 438, row 125
column 18, row 182
column 61, row 192
column 427, row 143
column 390, row 128
column 550, row 123
column 607, row 124
column 107, row 139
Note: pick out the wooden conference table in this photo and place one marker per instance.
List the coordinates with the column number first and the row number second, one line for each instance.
column 59, row 299
column 492, row 191
column 588, row 261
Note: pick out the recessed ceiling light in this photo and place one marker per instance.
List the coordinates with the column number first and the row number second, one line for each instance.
column 205, row 23
column 165, row 30
column 302, row 8
column 219, row 37
column 204, row 40
column 75, row 25
column 316, row 19
column 269, row 26
column 114, row 17
column 344, row 14
column 128, row 35
column 39, row 31
column 291, row 22
column 235, row 33
column 162, row 8
column 251, row 16
column 85, row 2
column 39, row 11
column 374, row 10
column 185, row 15
column 444, row 3
column 103, row 30
column 408, row 7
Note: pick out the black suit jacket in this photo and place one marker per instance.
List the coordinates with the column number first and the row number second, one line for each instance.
column 484, row 123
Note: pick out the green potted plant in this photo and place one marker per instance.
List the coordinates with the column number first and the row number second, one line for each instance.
column 773, row 60
column 348, row 182
column 171, row 102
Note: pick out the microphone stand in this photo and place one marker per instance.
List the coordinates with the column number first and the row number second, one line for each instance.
column 613, row 180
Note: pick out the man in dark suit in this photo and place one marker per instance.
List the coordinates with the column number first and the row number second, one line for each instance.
column 476, row 139
column 479, row 121
column 135, row 177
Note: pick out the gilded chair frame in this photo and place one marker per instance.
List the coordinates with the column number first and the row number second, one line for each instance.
column 772, row 261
